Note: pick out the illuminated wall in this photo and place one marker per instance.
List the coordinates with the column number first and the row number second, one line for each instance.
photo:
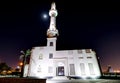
column 47, row 62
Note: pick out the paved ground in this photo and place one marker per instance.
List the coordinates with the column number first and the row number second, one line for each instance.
column 84, row 81
column 21, row 80
column 65, row 80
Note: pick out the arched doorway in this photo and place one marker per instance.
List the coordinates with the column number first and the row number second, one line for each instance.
column 60, row 69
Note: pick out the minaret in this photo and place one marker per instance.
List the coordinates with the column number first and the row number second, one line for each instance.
column 52, row 31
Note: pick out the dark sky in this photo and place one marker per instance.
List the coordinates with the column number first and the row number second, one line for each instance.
column 81, row 25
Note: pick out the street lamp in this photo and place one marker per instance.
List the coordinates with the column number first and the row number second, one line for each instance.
column 20, row 64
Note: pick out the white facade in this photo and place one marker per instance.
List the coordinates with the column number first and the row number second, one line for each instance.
column 48, row 62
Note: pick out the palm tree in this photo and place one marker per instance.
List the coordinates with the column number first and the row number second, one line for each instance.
column 23, row 57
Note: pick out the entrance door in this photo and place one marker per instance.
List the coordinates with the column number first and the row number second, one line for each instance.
column 61, row 71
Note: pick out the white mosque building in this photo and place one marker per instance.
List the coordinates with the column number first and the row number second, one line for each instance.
column 46, row 61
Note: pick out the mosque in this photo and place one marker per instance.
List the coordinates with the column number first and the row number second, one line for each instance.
column 46, row 61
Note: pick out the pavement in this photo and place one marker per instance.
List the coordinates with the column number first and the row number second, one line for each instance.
column 65, row 80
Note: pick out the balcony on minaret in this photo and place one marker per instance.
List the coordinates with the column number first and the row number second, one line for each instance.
column 52, row 33
column 53, row 10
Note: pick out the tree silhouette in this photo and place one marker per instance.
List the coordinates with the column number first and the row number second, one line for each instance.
column 4, row 67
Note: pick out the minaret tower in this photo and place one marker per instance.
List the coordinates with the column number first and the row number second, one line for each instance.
column 52, row 31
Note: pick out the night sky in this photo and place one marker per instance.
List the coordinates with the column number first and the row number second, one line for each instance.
column 81, row 25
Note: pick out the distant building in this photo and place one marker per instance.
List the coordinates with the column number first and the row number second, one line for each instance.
column 46, row 61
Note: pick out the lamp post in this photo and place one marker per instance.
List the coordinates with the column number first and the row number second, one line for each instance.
column 20, row 64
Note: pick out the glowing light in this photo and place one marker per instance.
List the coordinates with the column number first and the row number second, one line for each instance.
column 116, row 71
column 21, row 63
column 9, row 72
column 18, row 67
column 45, row 16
